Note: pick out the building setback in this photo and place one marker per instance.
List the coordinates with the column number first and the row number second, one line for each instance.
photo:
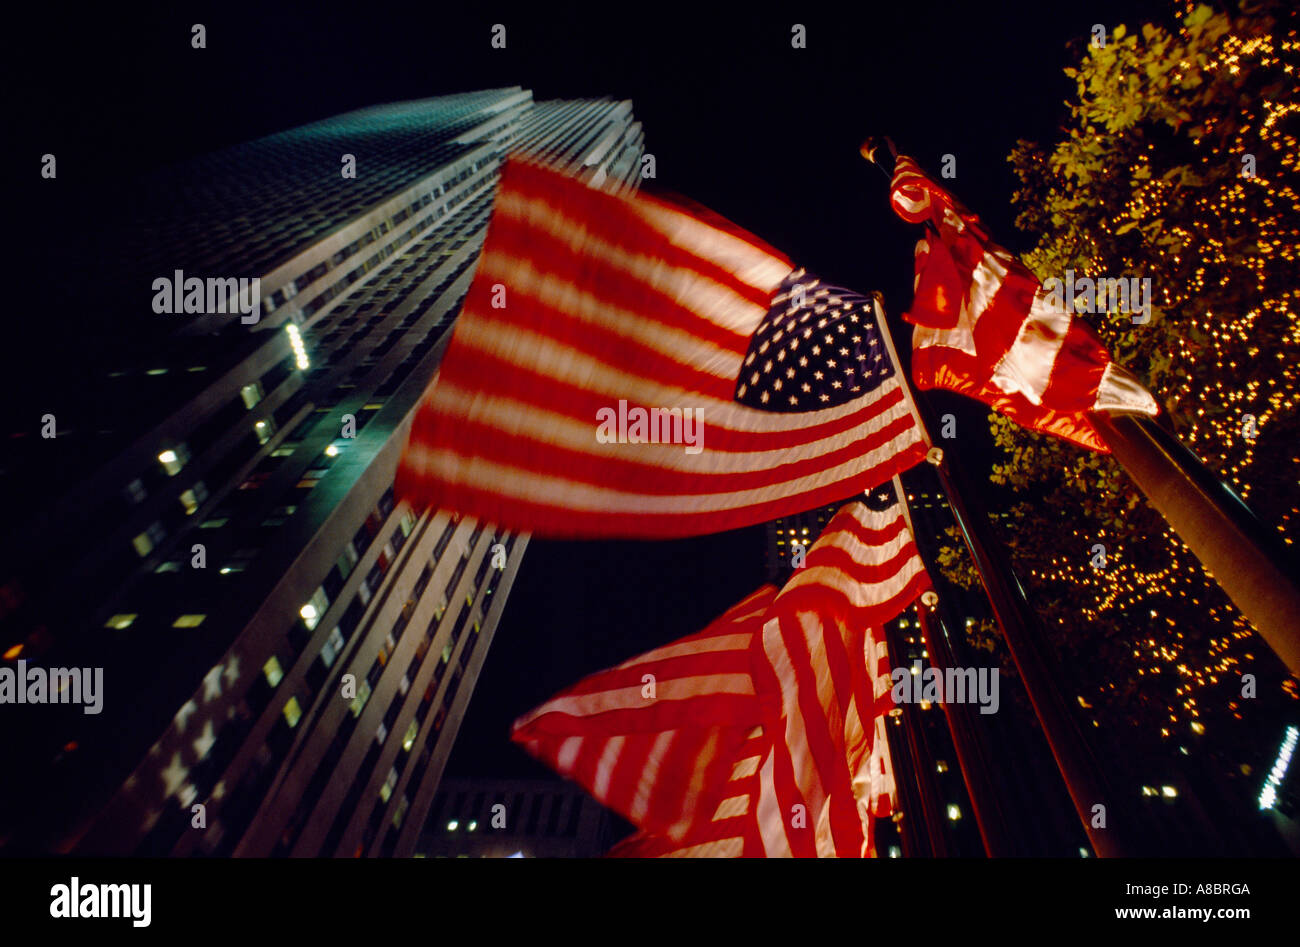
column 282, row 644
column 532, row 818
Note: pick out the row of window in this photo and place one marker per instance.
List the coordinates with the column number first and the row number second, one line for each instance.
column 239, row 810
column 374, row 823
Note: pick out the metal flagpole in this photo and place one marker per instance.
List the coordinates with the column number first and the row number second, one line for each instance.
column 970, row 741
column 1105, row 827
column 1215, row 524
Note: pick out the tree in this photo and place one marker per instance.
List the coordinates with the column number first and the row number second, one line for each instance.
column 1178, row 164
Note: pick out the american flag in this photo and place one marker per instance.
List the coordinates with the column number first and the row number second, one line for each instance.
column 658, row 756
column 825, row 647
column 818, row 346
column 587, row 304
column 793, row 759
column 985, row 328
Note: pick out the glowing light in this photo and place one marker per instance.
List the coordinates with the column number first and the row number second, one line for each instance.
column 299, row 350
column 1268, row 795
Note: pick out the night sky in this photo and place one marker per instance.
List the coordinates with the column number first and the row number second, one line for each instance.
column 739, row 121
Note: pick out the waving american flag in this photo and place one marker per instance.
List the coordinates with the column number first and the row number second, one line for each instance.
column 986, row 329
column 764, row 735
column 587, row 305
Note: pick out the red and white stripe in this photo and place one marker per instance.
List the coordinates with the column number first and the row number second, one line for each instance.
column 825, row 651
column 658, row 761
column 612, row 298
column 790, row 761
column 987, row 329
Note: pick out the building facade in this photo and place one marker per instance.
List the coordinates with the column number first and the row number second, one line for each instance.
column 528, row 818
column 286, row 652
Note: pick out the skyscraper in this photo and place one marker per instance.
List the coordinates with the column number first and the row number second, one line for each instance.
column 206, row 513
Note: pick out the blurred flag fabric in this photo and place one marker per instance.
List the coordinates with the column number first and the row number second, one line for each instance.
column 657, row 750
column 590, row 386
column 985, row 328
column 765, row 733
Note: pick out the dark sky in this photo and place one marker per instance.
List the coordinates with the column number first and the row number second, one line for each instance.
column 764, row 134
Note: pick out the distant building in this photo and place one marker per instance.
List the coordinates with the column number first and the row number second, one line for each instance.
column 512, row 818
column 214, row 524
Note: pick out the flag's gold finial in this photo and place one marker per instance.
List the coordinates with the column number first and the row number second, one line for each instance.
column 871, row 147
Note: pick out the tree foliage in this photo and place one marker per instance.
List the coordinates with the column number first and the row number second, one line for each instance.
column 1152, row 179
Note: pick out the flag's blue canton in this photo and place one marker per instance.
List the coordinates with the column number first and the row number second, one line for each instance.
column 880, row 498
column 818, row 354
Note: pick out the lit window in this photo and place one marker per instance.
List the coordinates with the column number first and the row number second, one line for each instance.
column 264, row 429
column 170, row 566
column 215, row 523
column 299, row 350
column 274, row 673
column 408, row 738
column 189, row 621
column 311, row 612
column 363, row 695
column 381, row 733
column 156, row 371
column 386, row 790
column 954, row 812
column 146, row 541
column 292, row 712
column 251, row 394
column 121, row 621
column 192, row 498
column 13, row 652
column 333, row 645
column 346, row 560
column 173, row 459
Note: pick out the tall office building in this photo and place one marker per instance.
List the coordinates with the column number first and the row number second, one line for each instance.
column 206, row 513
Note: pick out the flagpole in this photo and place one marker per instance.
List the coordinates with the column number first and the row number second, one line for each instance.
column 1215, row 524
column 933, row 811
column 1018, row 621
column 910, row 817
column 1079, row 769
column 973, row 752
